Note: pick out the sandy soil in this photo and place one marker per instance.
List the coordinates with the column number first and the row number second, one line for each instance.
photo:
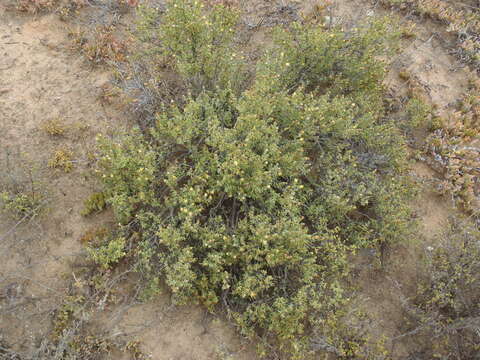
column 40, row 81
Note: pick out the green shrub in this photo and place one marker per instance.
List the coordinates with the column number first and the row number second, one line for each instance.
column 22, row 196
column 196, row 44
column 332, row 62
column 419, row 114
column 94, row 203
column 255, row 201
column 445, row 313
column 61, row 159
column 20, row 204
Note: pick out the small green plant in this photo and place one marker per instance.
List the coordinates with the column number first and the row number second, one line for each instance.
column 133, row 347
column 95, row 203
column 20, row 204
column 419, row 114
column 21, row 194
column 405, row 75
column 127, row 170
column 65, row 316
column 61, row 159
column 54, row 127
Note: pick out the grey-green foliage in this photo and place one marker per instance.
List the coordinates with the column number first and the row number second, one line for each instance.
column 254, row 201
column 22, row 195
column 196, row 43
column 419, row 114
column 108, row 254
column 20, row 205
column 446, row 312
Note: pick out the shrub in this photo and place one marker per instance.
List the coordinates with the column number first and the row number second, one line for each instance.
column 450, row 147
column 444, row 312
column 94, row 203
column 419, row 114
column 104, row 46
column 254, row 200
column 75, row 334
column 54, row 127
column 19, row 204
column 21, row 194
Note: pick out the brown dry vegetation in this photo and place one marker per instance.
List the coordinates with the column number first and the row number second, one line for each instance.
column 63, row 69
